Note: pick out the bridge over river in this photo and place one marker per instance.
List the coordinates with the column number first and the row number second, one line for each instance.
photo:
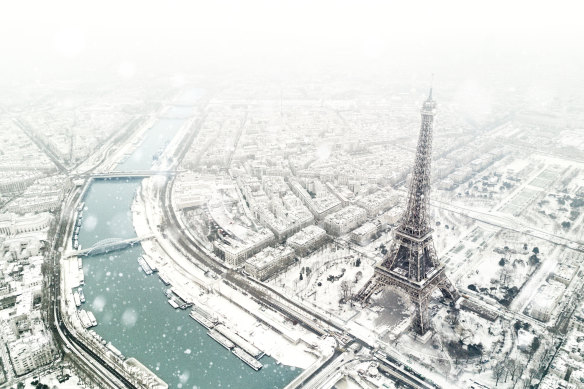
column 132, row 174
column 108, row 245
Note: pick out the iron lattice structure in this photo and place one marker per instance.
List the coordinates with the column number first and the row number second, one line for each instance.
column 411, row 262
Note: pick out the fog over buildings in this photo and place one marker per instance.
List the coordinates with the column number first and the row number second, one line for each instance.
column 257, row 194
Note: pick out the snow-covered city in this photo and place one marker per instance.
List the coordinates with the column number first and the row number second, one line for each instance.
column 253, row 195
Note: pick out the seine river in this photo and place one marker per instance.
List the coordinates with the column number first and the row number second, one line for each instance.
column 131, row 308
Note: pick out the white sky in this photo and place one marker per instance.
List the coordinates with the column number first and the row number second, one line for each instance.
column 43, row 36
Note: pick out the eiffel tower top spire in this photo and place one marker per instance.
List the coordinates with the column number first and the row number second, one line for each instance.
column 431, row 84
column 415, row 221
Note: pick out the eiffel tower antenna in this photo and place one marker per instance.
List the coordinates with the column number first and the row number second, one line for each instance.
column 431, row 84
column 412, row 263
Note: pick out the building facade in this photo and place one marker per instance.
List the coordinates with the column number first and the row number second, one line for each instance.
column 269, row 261
column 345, row 220
column 306, row 240
column 31, row 353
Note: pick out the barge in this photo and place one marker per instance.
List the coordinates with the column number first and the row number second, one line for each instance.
column 92, row 318
column 144, row 265
column 245, row 357
column 201, row 320
column 223, row 341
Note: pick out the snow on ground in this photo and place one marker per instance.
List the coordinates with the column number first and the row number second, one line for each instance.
column 236, row 310
column 505, row 263
column 364, row 375
column 282, row 350
column 347, row 383
column 531, row 287
column 121, row 153
column 259, row 334
column 424, row 353
column 334, row 261
column 450, row 230
column 464, row 254
column 50, row 379
column 472, row 250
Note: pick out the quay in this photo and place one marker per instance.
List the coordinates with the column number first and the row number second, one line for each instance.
column 150, row 262
column 163, row 279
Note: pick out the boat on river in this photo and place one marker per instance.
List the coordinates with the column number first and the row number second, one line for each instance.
column 144, row 265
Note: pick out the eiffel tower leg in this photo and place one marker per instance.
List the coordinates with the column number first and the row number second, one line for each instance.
column 421, row 320
column 372, row 286
column 448, row 289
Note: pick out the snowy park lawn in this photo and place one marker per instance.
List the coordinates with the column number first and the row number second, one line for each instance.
column 505, row 265
column 323, row 273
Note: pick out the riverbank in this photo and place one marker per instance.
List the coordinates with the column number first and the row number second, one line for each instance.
column 131, row 304
column 72, row 278
column 292, row 345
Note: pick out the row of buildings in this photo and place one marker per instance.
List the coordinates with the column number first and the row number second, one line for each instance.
column 551, row 292
column 567, row 368
column 31, row 352
column 345, row 220
column 236, row 250
column 300, row 214
column 12, row 224
column 22, row 328
column 262, row 257
column 11, row 184
column 45, row 194
column 255, row 250
column 315, row 195
column 274, row 206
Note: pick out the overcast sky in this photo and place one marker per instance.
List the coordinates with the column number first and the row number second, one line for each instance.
column 127, row 38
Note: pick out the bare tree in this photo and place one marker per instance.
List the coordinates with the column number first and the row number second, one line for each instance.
column 498, row 371
column 514, row 367
column 532, row 373
column 510, row 366
column 455, row 316
column 346, row 290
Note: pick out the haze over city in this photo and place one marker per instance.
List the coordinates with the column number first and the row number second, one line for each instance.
column 256, row 194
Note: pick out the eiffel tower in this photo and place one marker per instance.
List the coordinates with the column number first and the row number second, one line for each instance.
column 411, row 263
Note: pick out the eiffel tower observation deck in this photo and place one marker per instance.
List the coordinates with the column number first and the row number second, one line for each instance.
column 412, row 263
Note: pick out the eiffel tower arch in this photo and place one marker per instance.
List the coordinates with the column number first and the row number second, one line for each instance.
column 411, row 263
